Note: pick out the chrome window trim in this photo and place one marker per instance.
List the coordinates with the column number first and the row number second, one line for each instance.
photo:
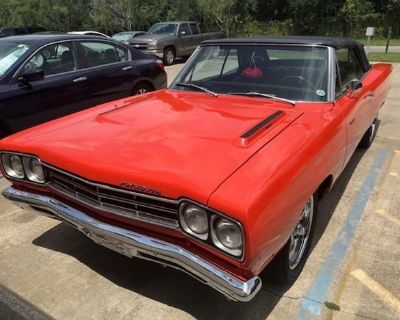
column 329, row 80
column 17, row 73
column 331, row 74
column 337, row 66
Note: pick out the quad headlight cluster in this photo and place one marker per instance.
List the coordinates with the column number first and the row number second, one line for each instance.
column 212, row 228
column 23, row 167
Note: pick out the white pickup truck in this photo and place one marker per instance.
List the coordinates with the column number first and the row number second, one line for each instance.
column 169, row 40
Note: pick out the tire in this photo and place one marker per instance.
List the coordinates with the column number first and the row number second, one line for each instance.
column 169, row 56
column 369, row 135
column 141, row 88
column 289, row 262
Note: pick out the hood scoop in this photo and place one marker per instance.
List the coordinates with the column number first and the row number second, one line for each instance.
column 271, row 125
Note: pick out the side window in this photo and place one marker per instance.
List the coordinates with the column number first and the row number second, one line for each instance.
column 184, row 27
column 98, row 53
column 122, row 54
column 52, row 59
column 195, row 28
column 350, row 67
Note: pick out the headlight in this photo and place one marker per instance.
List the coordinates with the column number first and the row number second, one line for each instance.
column 227, row 235
column 13, row 167
column 152, row 45
column 24, row 167
column 194, row 220
column 33, row 169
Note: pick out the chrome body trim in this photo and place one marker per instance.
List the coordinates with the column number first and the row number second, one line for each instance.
column 263, row 124
column 331, row 74
column 330, row 67
column 133, row 244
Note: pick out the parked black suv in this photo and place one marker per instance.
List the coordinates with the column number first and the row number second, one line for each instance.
column 7, row 32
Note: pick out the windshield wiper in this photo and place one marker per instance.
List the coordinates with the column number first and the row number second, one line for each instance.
column 195, row 86
column 265, row 95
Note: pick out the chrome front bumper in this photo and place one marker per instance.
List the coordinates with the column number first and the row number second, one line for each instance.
column 158, row 53
column 133, row 244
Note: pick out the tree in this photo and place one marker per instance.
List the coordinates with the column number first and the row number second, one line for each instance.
column 354, row 15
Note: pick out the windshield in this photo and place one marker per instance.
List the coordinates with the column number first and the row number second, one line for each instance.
column 298, row 73
column 123, row 36
column 163, row 28
column 10, row 52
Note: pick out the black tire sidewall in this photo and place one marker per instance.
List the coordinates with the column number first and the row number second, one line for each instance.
column 165, row 56
column 366, row 140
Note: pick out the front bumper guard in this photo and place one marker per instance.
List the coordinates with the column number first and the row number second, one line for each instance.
column 133, row 244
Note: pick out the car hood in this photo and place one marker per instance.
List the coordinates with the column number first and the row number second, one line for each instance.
column 178, row 144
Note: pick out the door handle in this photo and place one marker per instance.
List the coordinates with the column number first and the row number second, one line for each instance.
column 127, row 68
column 369, row 96
column 80, row 79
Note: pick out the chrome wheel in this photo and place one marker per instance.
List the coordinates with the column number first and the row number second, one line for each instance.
column 301, row 235
column 141, row 91
column 372, row 132
column 169, row 56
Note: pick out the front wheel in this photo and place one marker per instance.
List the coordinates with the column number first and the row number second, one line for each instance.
column 141, row 88
column 169, row 56
column 289, row 262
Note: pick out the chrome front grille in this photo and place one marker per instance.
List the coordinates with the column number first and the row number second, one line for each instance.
column 140, row 46
column 116, row 201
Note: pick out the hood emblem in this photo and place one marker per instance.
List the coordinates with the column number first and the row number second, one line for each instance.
column 138, row 188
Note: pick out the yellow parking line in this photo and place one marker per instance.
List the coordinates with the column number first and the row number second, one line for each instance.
column 377, row 288
column 394, row 174
column 388, row 216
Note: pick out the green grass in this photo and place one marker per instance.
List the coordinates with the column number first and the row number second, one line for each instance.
column 386, row 57
column 379, row 42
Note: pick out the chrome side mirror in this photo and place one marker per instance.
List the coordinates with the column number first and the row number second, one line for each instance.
column 354, row 86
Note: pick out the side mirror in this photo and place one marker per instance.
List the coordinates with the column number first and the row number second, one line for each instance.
column 31, row 76
column 353, row 86
column 182, row 33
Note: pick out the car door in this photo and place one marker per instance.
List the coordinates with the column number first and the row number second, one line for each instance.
column 53, row 96
column 356, row 104
column 184, row 40
column 106, row 71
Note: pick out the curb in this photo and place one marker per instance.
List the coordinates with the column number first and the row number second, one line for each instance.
column 13, row 306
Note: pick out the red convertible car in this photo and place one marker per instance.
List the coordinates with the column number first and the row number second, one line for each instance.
column 219, row 175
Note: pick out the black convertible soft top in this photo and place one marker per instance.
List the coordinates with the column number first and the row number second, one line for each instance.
column 335, row 42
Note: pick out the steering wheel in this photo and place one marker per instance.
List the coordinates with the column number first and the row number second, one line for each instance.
column 308, row 83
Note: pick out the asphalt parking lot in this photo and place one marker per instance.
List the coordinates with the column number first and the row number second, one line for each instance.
column 354, row 264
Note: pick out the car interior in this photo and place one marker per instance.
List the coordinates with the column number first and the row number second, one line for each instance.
column 53, row 59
